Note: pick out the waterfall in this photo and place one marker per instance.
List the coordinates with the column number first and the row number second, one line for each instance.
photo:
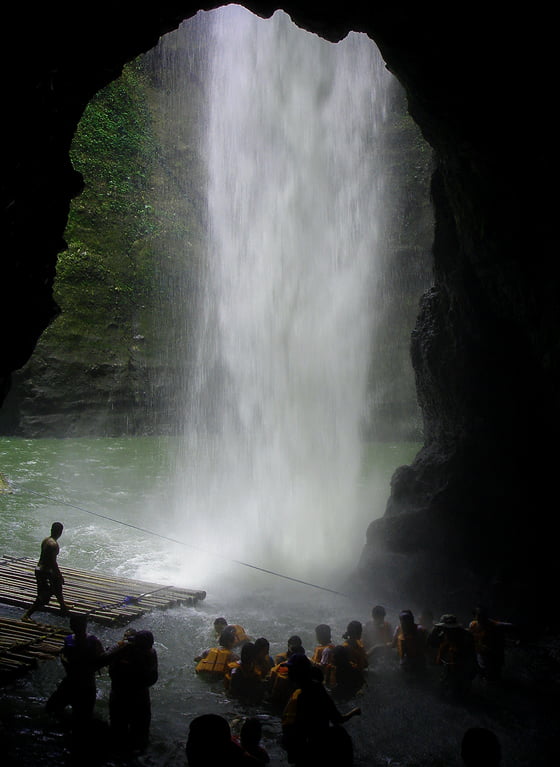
column 269, row 468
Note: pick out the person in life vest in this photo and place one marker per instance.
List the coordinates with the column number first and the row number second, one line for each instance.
column 322, row 654
column 242, row 680
column 240, row 634
column 214, row 663
column 280, row 687
column 311, row 722
column 489, row 642
column 47, row 574
column 356, row 649
column 263, row 661
column 343, row 678
column 294, row 646
column 410, row 640
column 455, row 655
column 377, row 635
column 80, row 656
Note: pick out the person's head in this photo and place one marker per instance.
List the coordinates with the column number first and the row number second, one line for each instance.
column 323, row 633
column 295, row 645
column 378, row 614
column 208, row 741
column 251, row 732
column 299, row 669
column 227, row 637
column 248, row 654
column 144, row 640
column 219, row 625
column 353, row 630
column 448, row 622
column 480, row 748
column 56, row 529
column 129, row 635
column 78, row 624
column 262, row 647
column 406, row 618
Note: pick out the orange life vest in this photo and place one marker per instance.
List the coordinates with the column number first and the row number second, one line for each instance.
column 357, row 654
column 411, row 645
column 240, row 635
column 319, row 650
column 216, row 662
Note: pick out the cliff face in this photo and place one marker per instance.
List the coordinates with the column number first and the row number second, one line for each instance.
column 485, row 347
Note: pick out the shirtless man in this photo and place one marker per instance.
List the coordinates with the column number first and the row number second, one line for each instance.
column 47, row 574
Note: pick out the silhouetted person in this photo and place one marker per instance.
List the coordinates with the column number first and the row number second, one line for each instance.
column 455, row 655
column 322, row 654
column 243, row 681
column 294, row 645
column 80, row 656
column 47, row 574
column 489, row 642
column 250, row 739
column 210, row 743
column 353, row 637
column 410, row 641
column 480, row 748
column 311, row 722
column 133, row 668
column 263, row 661
column 377, row 635
column 343, row 678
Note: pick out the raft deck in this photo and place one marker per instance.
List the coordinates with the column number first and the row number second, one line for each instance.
column 23, row 645
column 105, row 599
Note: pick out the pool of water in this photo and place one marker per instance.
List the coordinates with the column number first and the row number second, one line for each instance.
column 93, row 486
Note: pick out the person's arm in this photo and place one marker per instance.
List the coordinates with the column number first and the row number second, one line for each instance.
column 353, row 712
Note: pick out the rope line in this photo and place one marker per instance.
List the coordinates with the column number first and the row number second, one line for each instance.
column 60, row 502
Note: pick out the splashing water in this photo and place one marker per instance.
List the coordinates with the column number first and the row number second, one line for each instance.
column 270, row 463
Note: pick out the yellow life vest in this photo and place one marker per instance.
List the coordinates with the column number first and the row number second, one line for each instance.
column 240, row 635
column 289, row 715
column 216, row 662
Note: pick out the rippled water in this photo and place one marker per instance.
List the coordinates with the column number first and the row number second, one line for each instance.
column 126, row 480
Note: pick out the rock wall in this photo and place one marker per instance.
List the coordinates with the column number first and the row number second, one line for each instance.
column 473, row 513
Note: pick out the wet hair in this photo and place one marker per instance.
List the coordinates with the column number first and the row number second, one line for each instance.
column 220, row 622
column 248, row 653
column 294, row 641
column 323, row 633
column 378, row 612
column 299, row 669
column 56, row 529
column 227, row 637
column 480, row 748
column 262, row 644
column 353, row 630
column 251, row 732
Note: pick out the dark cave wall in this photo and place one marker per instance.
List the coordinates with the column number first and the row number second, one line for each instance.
column 461, row 519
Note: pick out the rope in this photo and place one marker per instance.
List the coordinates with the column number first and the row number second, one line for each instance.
column 60, row 502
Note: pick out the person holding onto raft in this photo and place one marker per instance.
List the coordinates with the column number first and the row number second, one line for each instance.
column 47, row 574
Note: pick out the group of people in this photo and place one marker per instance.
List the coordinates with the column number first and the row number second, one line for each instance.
column 304, row 690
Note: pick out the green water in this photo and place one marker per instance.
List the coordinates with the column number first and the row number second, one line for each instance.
column 84, row 483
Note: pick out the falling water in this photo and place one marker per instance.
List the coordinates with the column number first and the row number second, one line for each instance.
column 269, row 470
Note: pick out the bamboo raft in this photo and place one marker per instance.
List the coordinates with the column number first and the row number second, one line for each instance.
column 108, row 600
column 23, row 645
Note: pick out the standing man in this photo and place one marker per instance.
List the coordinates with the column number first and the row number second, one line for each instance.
column 47, row 574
